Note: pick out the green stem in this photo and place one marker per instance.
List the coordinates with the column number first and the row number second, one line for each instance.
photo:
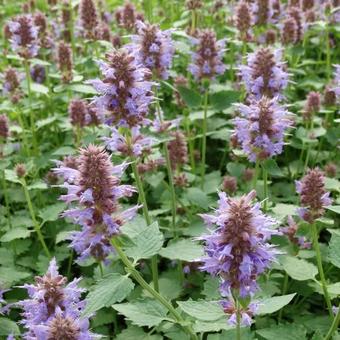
column 4, row 185
column 257, row 165
column 154, row 264
column 265, row 188
column 204, row 140
column 32, row 121
column 328, row 53
column 334, row 326
column 136, row 275
column 238, row 320
column 33, row 216
column 320, row 268
column 101, row 269
column 191, row 145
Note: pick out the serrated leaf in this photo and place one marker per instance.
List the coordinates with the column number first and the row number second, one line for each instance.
column 38, row 185
column 82, row 88
column 272, row 168
column 136, row 333
column 8, row 327
column 147, row 312
column 282, row 210
column 63, row 235
column 146, row 243
column 299, row 269
column 211, row 286
column 236, row 169
column 215, row 326
column 198, row 197
column 334, row 208
column 190, row 97
column 273, row 304
column 184, row 249
column 52, row 212
column 15, row 233
column 202, row 310
column 11, row 275
column 110, row 289
column 11, row 176
column 334, row 248
column 286, row 332
column 223, row 99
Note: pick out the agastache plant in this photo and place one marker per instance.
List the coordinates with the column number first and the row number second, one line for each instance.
column 260, row 128
column 124, row 93
column 264, row 74
column 54, row 308
column 95, row 188
column 237, row 246
column 154, row 48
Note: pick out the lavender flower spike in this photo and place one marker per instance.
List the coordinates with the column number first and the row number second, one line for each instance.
column 53, row 303
column 260, row 127
column 24, row 38
column 237, row 248
column 313, row 196
column 264, row 74
column 154, row 48
column 95, row 186
column 124, row 93
column 206, row 62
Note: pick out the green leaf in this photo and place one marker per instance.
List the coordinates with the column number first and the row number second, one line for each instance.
column 211, row 182
column 147, row 312
column 211, row 286
column 236, row 169
column 52, row 212
column 63, row 151
column 8, row 327
column 334, row 208
column 202, row 310
column 332, row 184
column 299, row 269
column 38, row 185
column 15, row 233
column 190, row 97
column 136, row 333
column 282, row 210
column 184, row 249
column 82, row 88
column 273, row 304
column 11, row 176
column 224, row 99
column 273, row 169
column 110, row 289
column 334, row 248
column 11, row 275
column 146, row 243
column 39, row 88
column 284, row 332
column 198, row 197
column 215, row 326
column 62, row 236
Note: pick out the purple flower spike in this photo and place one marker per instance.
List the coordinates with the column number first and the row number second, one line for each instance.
column 125, row 92
column 206, row 61
column 24, row 36
column 154, row 48
column 237, row 249
column 264, row 74
column 260, row 128
column 313, row 196
column 246, row 314
column 95, row 186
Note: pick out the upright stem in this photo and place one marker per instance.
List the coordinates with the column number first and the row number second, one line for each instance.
column 154, row 264
column 265, row 188
column 328, row 52
column 35, row 222
column 284, row 291
column 204, row 132
column 320, row 268
column 257, row 165
column 32, row 121
column 135, row 274
column 4, row 185
column 238, row 320
column 334, row 326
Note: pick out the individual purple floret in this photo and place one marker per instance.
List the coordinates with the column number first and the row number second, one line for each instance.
column 264, row 74
column 246, row 314
column 24, row 37
column 133, row 146
column 125, row 92
column 95, row 187
column 260, row 127
column 153, row 48
column 263, row 11
column 313, row 196
column 206, row 61
column 237, row 248
column 53, row 303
